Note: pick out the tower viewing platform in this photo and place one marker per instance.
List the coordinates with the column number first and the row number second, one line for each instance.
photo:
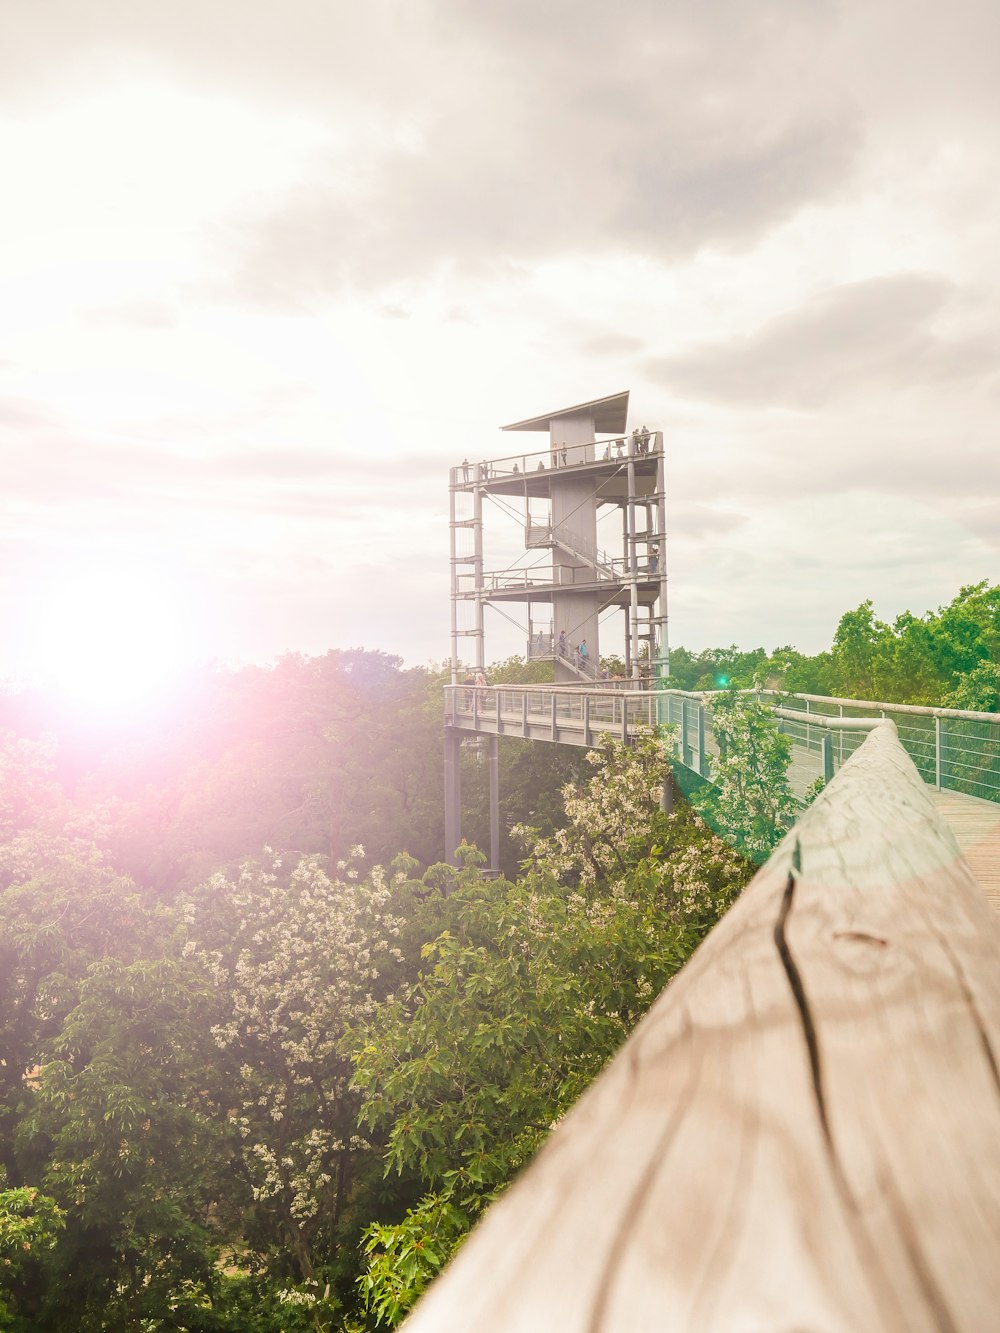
column 591, row 574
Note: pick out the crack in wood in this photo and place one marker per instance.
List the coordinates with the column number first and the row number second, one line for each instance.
column 798, row 990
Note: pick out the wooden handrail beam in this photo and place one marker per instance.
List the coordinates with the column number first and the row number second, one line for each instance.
column 804, row 1131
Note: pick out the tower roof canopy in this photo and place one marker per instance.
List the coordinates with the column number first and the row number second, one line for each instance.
column 609, row 415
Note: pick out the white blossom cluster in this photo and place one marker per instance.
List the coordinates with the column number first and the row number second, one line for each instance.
column 603, row 815
column 294, row 956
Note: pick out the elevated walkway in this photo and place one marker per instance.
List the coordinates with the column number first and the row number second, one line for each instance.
column 956, row 753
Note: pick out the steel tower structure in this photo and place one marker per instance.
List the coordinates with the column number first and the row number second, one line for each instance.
column 588, row 466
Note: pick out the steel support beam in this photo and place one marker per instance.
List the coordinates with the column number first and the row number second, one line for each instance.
column 452, row 792
column 494, row 761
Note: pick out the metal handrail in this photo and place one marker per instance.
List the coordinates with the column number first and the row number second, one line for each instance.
column 535, row 576
column 953, row 749
column 616, row 449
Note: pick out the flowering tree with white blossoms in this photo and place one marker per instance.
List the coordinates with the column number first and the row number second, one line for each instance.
column 296, row 958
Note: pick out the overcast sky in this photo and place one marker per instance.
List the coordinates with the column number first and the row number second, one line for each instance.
column 268, row 269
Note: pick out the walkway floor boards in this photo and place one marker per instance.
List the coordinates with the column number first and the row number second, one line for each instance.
column 976, row 825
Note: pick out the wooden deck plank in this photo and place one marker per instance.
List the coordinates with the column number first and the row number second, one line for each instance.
column 976, row 826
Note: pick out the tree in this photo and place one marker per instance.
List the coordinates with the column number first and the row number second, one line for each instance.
column 128, row 1133
column 858, row 645
column 791, row 671
column 295, row 957
column 978, row 690
column 750, row 802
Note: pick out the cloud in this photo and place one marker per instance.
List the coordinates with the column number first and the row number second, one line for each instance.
column 140, row 314
column 609, row 344
column 560, row 130
column 884, row 333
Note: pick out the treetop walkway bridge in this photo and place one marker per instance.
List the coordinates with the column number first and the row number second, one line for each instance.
column 956, row 753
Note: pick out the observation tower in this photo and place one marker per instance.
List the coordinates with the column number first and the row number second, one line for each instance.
column 592, row 570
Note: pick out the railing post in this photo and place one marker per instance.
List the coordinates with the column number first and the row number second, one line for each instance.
column 499, row 719
column 827, row 756
column 555, row 726
column 586, row 719
column 701, row 740
column 937, row 753
column 624, row 720
column 524, row 714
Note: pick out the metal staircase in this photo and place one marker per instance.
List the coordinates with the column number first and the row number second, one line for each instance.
column 548, row 534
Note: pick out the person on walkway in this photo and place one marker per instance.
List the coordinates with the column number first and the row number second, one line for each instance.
column 582, row 654
column 465, row 469
column 562, row 644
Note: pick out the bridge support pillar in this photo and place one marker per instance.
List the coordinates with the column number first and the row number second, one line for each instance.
column 495, row 804
column 452, row 792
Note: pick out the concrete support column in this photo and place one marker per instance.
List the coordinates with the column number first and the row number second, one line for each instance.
column 452, row 792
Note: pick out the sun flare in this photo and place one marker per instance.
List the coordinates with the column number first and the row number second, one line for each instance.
column 111, row 638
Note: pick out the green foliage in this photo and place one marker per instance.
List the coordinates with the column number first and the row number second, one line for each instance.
column 516, row 671
column 917, row 659
column 28, row 789
column 978, row 691
column 29, row 1226
column 532, row 778
column 314, row 754
column 750, row 803
column 859, row 649
column 921, row 660
column 403, row 1259
column 294, row 957
column 129, row 1133
column 715, row 668
column 793, row 672
column 523, row 996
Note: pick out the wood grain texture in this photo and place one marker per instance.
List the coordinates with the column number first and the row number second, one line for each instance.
column 976, row 826
column 804, row 1132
